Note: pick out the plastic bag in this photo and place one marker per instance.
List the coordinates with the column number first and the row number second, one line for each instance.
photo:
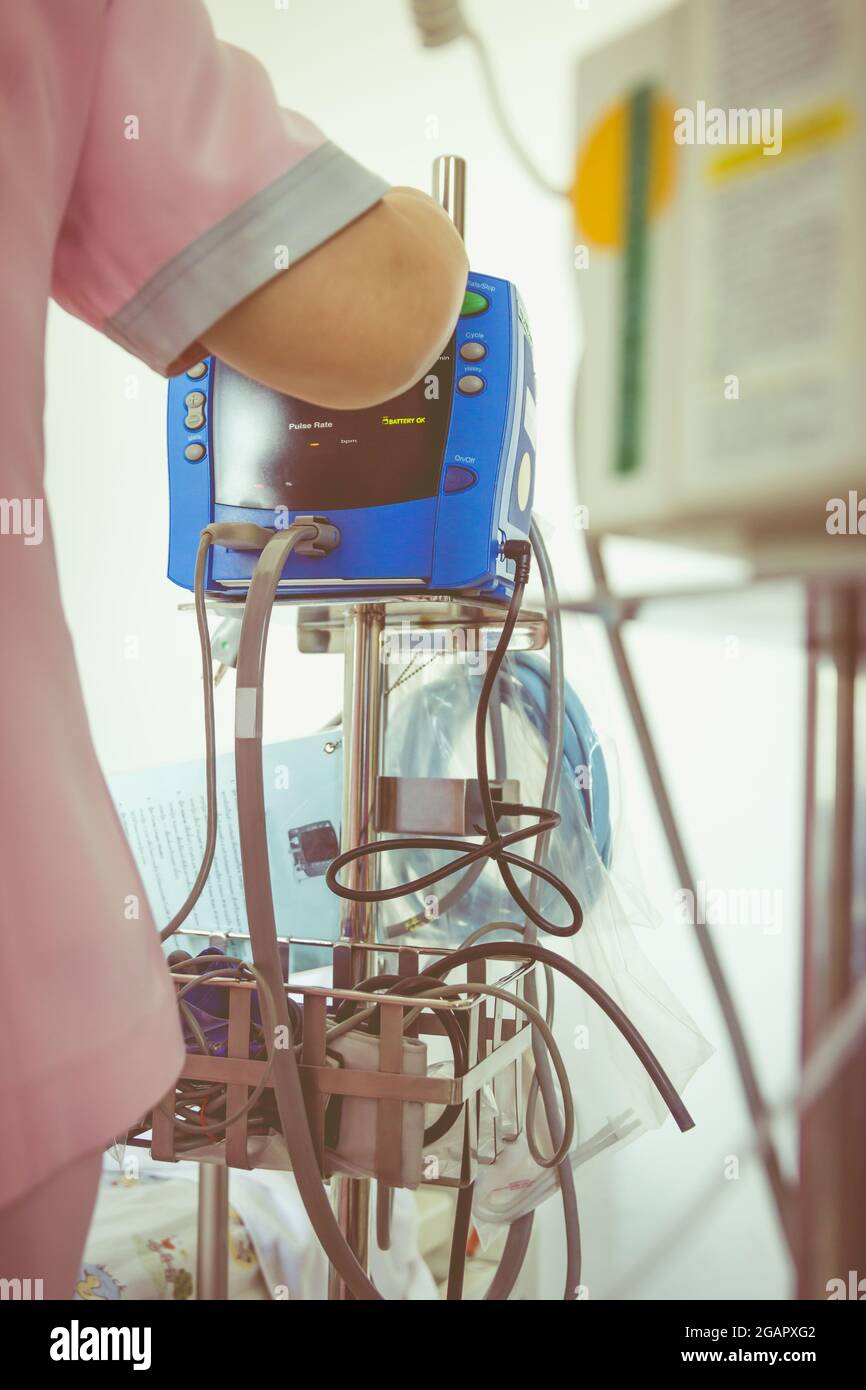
column 430, row 733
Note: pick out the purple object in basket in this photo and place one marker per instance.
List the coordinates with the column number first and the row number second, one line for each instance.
column 208, row 1003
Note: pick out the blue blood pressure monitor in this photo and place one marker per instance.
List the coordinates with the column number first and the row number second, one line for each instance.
column 425, row 489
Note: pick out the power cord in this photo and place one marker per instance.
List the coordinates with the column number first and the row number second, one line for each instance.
column 288, row 1090
column 441, row 22
column 240, row 536
column 494, row 846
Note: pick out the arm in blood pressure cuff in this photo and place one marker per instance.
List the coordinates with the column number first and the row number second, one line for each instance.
column 194, row 187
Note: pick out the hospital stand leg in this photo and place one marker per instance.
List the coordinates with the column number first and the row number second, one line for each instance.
column 757, row 1106
column 212, row 1263
column 362, row 750
column 833, row 1129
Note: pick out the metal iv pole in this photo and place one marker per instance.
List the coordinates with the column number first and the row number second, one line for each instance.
column 363, row 707
column 362, row 751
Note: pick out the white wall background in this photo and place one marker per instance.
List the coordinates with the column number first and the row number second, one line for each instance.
column 727, row 713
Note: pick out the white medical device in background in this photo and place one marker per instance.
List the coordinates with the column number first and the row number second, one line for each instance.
column 720, row 201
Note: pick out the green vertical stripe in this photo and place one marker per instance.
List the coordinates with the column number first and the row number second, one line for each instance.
column 633, row 325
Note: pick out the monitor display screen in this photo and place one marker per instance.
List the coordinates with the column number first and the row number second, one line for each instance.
column 270, row 450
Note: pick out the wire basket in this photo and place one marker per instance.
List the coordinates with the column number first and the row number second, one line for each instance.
column 379, row 1101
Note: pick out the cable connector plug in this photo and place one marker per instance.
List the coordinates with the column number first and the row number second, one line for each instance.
column 245, row 535
column 521, row 553
column 326, row 539
column 238, row 535
column 440, row 21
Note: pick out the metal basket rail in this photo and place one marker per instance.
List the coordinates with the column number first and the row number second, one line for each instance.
column 497, row 1036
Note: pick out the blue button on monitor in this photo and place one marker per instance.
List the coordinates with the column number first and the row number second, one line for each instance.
column 458, row 479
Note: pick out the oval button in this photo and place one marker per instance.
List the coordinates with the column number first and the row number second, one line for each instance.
column 470, row 384
column 473, row 303
column 198, row 371
column 473, row 351
column 194, row 453
column 458, row 479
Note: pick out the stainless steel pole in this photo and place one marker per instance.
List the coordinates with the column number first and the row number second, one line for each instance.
column 362, row 743
column 449, row 187
column 212, row 1261
column 363, row 701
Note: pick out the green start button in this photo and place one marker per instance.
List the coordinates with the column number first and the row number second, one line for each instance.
column 473, row 303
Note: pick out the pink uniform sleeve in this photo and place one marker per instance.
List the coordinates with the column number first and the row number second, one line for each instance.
column 194, row 187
